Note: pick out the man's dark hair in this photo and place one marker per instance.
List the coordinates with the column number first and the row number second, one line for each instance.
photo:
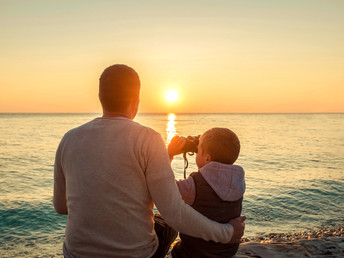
column 221, row 144
column 118, row 85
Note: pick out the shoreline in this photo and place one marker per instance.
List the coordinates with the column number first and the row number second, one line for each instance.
column 326, row 242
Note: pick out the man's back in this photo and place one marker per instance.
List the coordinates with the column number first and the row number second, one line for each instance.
column 104, row 163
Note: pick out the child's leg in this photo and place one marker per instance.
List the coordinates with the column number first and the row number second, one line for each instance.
column 166, row 236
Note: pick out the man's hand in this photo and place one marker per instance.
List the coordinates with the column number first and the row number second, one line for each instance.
column 176, row 146
column 239, row 228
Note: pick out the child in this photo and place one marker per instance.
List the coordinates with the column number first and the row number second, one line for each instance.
column 216, row 190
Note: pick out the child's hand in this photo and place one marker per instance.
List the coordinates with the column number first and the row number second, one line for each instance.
column 176, row 146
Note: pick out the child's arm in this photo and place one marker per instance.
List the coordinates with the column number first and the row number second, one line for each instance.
column 187, row 189
column 187, row 186
column 176, row 146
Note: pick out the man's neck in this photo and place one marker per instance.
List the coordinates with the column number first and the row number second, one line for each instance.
column 116, row 114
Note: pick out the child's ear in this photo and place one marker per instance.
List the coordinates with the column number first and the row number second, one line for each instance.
column 207, row 158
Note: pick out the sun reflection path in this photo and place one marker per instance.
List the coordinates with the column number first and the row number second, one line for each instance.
column 171, row 127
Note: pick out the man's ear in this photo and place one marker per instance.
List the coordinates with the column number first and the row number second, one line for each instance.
column 133, row 107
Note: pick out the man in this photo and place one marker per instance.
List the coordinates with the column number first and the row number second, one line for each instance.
column 110, row 172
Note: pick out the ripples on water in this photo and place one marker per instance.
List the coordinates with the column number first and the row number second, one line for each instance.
column 294, row 171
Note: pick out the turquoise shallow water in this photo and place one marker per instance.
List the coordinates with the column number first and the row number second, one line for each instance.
column 294, row 172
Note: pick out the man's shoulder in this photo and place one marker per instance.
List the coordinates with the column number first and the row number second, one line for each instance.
column 128, row 126
column 78, row 128
column 144, row 129
column 76, row 131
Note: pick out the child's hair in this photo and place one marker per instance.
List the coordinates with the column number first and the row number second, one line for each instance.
column 221, row 144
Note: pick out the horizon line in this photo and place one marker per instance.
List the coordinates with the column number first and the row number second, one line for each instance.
column 180, row 113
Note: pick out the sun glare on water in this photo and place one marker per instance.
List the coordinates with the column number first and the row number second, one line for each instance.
column 171, row 95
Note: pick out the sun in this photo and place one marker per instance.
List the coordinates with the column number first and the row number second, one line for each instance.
column 171, row 95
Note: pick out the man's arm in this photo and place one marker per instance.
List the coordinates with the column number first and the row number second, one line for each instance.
column 165, row 194
column 60, row 200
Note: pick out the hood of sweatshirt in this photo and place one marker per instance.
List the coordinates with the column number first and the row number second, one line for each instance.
column 228, row 181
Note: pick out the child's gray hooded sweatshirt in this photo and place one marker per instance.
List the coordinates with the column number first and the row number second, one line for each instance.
column 228, row 181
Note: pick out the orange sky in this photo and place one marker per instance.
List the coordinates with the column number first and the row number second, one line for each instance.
column 221, row 56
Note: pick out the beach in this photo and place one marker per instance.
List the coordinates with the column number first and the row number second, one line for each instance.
column 319, row 243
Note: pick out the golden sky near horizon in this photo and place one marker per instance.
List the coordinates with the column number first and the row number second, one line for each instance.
column 219, row 56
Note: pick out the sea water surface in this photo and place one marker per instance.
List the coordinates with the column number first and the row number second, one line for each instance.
column 294, row 167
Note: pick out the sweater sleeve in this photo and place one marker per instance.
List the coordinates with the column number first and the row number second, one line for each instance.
column 187, row 189
column 165, row 194
column 59, row 196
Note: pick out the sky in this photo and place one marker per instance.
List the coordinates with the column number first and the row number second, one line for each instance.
column 257, row 56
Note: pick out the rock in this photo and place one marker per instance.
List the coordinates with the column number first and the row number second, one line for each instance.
column 323, row 242
column 272, row 235
column 280, row 240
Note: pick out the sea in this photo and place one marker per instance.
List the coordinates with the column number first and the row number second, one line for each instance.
column 294, row 170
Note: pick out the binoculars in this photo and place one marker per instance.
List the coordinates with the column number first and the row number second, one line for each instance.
column 191, row 144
